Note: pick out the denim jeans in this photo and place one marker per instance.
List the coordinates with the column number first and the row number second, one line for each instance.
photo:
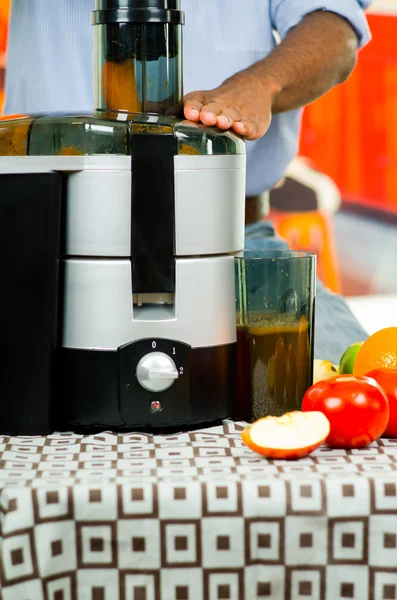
column 335, row 325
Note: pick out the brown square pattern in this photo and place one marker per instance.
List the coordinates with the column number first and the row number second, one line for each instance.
column 179, row 493
column 223, row 592
column 306, row 540
column 95, row 496
column 305, row 588
column 59, row 595
column 138, row 544
column 348, row 490
column 264, row 491
column 12, row 505
column 264, row 540
column 52, row 497
column 348, row 540
column 223, row 542
column 389, row 592
column 98, row 593
column 264, row 588
column 180, row 542
column 181, row 592
column 17, row 557
column 56, row 548
column 96, row 544
column 306, row 491
column 389, row 540
column 139, row 592
column 389, row 489
column 137, row 494
column 221, row 492
column 347, row 590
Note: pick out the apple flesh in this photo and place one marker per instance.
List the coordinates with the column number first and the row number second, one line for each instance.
column 293, row 435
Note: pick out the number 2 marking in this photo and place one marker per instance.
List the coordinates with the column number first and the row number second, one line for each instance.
column 181, row 370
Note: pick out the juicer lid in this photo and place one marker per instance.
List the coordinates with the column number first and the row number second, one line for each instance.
column 108, row 133
column 137, row 11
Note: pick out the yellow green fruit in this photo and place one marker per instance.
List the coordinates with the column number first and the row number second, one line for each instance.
column 346, row 363
column 323, row 369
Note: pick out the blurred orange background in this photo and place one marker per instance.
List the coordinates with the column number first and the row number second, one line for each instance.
column 351, row 133
column 4, row 16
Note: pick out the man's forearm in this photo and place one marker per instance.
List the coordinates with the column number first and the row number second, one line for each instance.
column 316, row 55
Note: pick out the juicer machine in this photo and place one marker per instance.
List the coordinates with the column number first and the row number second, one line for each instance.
column 118, row 231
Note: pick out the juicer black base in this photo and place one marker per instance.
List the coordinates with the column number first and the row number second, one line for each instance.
column 97, row 389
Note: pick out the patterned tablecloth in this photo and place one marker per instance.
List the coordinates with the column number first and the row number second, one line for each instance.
column 194, row 516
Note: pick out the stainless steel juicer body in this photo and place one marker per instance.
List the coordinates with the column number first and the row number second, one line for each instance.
column 118, row 232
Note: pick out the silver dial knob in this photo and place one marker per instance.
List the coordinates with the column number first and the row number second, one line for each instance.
column 156, row 372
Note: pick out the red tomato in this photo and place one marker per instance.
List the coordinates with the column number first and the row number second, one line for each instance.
column 387, row 379
column 356, row 407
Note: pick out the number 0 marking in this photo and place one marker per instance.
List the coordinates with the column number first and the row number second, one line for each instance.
column 154, row 345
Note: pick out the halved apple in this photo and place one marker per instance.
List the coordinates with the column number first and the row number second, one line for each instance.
column 293, row 435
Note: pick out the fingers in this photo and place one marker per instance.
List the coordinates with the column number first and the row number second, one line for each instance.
column 193, row 104
column 249, row 117
column 210, row 112
column 199, row 108
column 228, row 117
column 250, row 130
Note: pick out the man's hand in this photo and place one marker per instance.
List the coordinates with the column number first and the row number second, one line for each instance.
column 317, row 54
column 243, row 103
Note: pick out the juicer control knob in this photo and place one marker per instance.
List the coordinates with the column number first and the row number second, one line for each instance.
column 156, row 372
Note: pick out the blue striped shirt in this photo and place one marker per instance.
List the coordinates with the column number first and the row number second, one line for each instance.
column 51, row 54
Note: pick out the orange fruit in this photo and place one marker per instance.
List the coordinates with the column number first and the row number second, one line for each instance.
column 379, row 350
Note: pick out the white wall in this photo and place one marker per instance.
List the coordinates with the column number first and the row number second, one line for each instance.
column 384, row 6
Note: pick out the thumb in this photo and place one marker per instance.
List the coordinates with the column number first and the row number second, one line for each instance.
column 192, row 105
column 176, row 110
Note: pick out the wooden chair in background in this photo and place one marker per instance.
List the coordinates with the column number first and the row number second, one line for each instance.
column 302, row 213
